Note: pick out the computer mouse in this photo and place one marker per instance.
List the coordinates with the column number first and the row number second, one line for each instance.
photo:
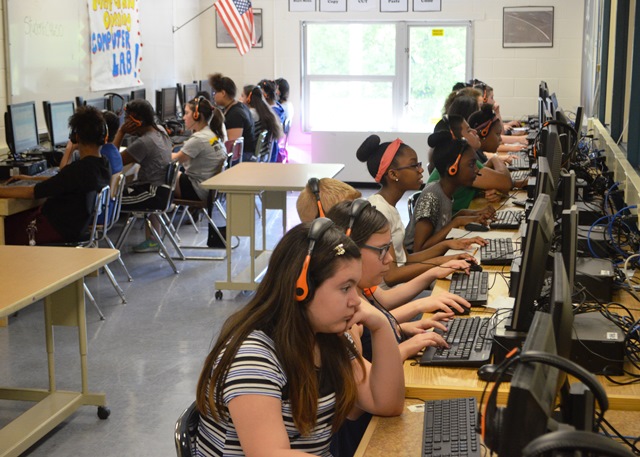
column 476, row 227
column 489, row 373
column 465, row 311
column 474, row 266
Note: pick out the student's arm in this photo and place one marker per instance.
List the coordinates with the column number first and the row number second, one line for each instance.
column 180, row 157
column 441, row 302
column 126, row 158
column 261, row 430
column 381, row 386
column 425, row 238
column 496, row 177
column 66, row 157
column 234, row 134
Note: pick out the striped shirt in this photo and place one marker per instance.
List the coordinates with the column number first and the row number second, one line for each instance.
column 256, row 370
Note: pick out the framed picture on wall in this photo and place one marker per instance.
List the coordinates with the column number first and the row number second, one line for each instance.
column 427, row 5
column 224, row 40
column 302, row 6
column 333, row 6
column 394, row 6
column 527, row 27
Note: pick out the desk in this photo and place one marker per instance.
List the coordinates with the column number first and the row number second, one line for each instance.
column 242, row 184
column 402, row 436
column 9, row 206
column 55, row 274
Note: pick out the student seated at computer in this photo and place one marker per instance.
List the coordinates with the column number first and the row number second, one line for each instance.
column 330, row 192
column 370, row 230
column 494, row 179
column 70, row 194
column 284, row 372
column 237, row 117
column 152, row 151
column 204, row 153
column 264, row 118
column 394, row 165
column 433, row 216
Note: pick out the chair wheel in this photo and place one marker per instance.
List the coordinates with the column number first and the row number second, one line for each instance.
column 103, row 412
column 218, row 295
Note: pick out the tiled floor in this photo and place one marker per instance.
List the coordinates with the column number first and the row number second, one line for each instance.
column 146, row 355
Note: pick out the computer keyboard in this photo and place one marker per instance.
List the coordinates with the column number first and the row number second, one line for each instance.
column 22, row 182
column 520, row 163
column 519, row 174
column 472, row 287
column 499, row 251
column 506, row 219
column 450, row 428
column 469, row 340
column 49, row 172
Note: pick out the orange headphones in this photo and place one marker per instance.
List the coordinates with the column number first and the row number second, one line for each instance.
column 196, row 113
column 316, row 230
column 445, row 118
column 484, row 128
column 453, row 169
column 357, row 206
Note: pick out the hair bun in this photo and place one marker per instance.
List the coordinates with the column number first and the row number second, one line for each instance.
column 368, row 147
column 439, row 138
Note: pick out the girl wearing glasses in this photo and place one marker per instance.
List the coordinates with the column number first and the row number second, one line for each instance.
column 494, row 178
column 434, row 216
column 395, row 166
column 284, row 373
column 369, row 229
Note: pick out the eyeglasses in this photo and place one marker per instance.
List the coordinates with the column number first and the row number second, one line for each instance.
column 382, row 250
column 414, row 166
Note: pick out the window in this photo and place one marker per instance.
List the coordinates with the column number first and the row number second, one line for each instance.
column 382, row 76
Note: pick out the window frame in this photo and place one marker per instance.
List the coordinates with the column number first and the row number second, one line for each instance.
column 399, row 81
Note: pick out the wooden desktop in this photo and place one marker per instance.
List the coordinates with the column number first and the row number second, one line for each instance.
column 54, row 274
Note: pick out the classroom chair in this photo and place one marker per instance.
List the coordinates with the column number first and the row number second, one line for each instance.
column 117, row 187
column 263, row 147
column 185, row 431
column 282, row 145
column 161, row 214
column 236, row 147
column 411, row 203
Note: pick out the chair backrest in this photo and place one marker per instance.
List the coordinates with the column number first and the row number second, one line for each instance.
column 100, row 207
column 235, row 148
column 262, row 146
column 411, row 203
column 116, row 197
column 286, row 127
column 185, row 431
column 171, row 179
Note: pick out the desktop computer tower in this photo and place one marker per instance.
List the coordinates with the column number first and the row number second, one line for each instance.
column 597, row 344
column 10, row 168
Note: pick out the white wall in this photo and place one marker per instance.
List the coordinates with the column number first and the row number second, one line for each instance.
column 514, row 73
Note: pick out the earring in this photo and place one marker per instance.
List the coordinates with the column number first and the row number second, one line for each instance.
column 397, row 180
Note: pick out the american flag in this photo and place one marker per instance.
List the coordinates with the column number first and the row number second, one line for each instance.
column 237, row 17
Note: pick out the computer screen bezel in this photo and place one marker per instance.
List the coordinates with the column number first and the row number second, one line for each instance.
column 539, row 235
column 545, row 183
column 169, row 111
column 100, row 103
column 569, row 242
column 138, row 94
column 12, row 110
column 189, row 86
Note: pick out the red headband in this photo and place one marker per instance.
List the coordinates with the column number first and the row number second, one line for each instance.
column 387, row 158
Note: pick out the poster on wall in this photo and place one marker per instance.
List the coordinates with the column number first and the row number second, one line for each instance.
column 394, row 6
column 327, row 6
column 427, row 5
column 527, row 27
column 302, row 6
column 116, row 47
column 363, row 5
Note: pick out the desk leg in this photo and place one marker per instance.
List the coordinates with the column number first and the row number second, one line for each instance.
column 273, row 200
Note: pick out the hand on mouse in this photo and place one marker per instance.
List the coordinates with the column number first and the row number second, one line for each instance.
column 449, row 267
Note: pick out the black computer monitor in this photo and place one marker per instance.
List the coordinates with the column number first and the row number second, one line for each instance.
column 567, row 189
column 116, row 104
column 539, row 233
column 578, row 122
column 100, row 103
column 138, row 94
column 532, row 395
column 57, row 115
column 21, row 128
column 545, row 184
column 168, row 103
column 569, row 242
column 189, row 91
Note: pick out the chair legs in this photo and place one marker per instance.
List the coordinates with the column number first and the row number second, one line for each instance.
column 110, row 243
column 93, row 301
column 115, row 284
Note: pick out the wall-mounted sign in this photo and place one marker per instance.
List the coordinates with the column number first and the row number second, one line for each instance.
column 363, row 5
column 302, row 6
column 333, row 5
column 394, row 6
column 427, row 5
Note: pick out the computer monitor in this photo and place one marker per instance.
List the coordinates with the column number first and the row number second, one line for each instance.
column 116, row 104
column 57, row 115
column 545, row 184
column 168, row 99
column 554, row 103
column 21, row 128
column 100, row 103
column 532, row 395
column 567, row 189
column 569, row 242
column 539, row 233
column 561, row 306
column 189, row 91
column 138, row 94
column 578, row 122
column 551, row 149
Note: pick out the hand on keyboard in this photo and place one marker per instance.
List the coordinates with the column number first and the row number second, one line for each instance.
column 445, row 301
column 465, row 243
column 417, row 343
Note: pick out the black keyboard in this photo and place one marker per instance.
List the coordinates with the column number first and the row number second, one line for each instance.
column 506, row 219
column 450, row 428
column 472, row 287
column 519, row 174
column 498, row 252
column 469, row 341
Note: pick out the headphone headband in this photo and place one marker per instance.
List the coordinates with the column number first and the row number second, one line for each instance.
column 357, row 207
column 316, row 230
